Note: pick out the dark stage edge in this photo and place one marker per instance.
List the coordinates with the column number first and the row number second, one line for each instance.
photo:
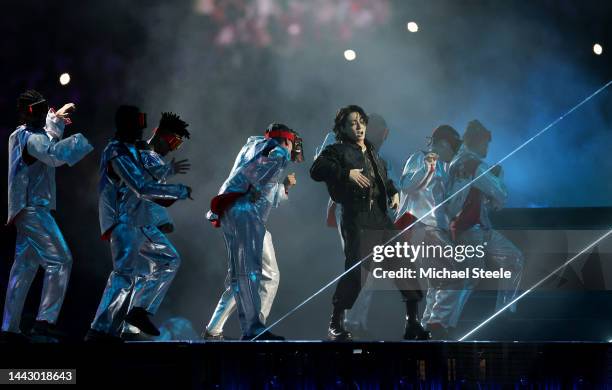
column 327, row 365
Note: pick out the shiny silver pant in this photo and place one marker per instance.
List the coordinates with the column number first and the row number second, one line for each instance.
column 499, row 252
column 270, row 278
column 244, row 233
column 39, row 243
column 442, row 296
column 144, row 264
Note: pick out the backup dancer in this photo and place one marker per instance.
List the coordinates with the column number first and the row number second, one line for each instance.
column 144, row 261
column 424, row 186
column 36, row 148
column 469, row 212
column 167, row 137
column 255, row 185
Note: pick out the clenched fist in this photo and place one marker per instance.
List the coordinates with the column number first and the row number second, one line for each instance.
column 290, row 181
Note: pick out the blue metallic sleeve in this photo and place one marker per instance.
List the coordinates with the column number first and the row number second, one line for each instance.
column 56, row 152
column 133, row 176
column 492, row 186
column 415, row 174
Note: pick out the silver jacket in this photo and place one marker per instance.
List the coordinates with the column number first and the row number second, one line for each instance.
column 125, row 187
column 257, row 171
column 34, row 184
column 157, row 167
column 421, row 192
column 493, row 188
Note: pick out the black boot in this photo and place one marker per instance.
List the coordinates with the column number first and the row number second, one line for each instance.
column 139, row 318
column 45, row 332
column 97, row 337
column 414, row 330
column 336, row 331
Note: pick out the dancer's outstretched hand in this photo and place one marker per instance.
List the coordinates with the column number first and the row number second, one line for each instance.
column 66, row 110
column 180, row 167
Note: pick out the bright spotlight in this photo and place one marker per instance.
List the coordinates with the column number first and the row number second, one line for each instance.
column 294, row 29
column 350, row 55
column 412, row 27
column 597, row 49
column 64, row 78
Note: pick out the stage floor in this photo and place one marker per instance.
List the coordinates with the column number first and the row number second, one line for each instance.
column 320, row 364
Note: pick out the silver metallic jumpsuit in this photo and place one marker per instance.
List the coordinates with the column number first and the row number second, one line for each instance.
column 421, row 191
column 256, row 175
column 156, row 167
column 33, row 156
column 144, row 261
column 499, row 252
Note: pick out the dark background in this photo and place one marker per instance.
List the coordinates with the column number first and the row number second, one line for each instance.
column 231, row 67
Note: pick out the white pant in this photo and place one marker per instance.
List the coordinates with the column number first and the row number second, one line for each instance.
column 270, row 277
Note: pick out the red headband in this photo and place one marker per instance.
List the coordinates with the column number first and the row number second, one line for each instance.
column 281, row 134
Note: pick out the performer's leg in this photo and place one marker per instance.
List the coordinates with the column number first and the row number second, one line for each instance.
column 244, row 235
column 56, row 259
column 270, row 277
column 349, row 285
column 163, row 262
column 501, row 252
column 443, row 295
column 225, row 307
column 22, row 274
column 125, row 241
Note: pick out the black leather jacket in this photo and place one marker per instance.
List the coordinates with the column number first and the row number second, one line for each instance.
column 333, row 166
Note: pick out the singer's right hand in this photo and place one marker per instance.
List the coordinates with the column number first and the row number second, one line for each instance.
column 357, row 177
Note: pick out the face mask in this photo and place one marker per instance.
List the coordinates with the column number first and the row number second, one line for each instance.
column 173, row 140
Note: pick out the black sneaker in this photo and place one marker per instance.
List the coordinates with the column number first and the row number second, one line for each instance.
column 13, row 338
column 45, row 332
column 139, row 318
column 414, row 331
column 265, row 336
column 206, row 335
column 97, row 337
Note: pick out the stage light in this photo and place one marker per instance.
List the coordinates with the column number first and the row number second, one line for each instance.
column 350, row 55
column 412, row 27
column 294, row 29
column 64, row 79
column 597, row 49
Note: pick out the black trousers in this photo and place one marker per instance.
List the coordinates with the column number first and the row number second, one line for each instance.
column 361, row 231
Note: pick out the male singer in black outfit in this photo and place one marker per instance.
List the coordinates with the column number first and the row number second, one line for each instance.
column 357, row 179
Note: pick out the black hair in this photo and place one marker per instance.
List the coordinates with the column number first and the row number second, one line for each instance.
column 447, row 133
column 126, row 122
column 172, row 123
column 476, row 132
column 341, row 117
column 26, row 98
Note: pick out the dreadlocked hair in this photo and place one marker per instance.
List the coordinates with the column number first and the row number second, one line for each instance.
column 172, row 123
